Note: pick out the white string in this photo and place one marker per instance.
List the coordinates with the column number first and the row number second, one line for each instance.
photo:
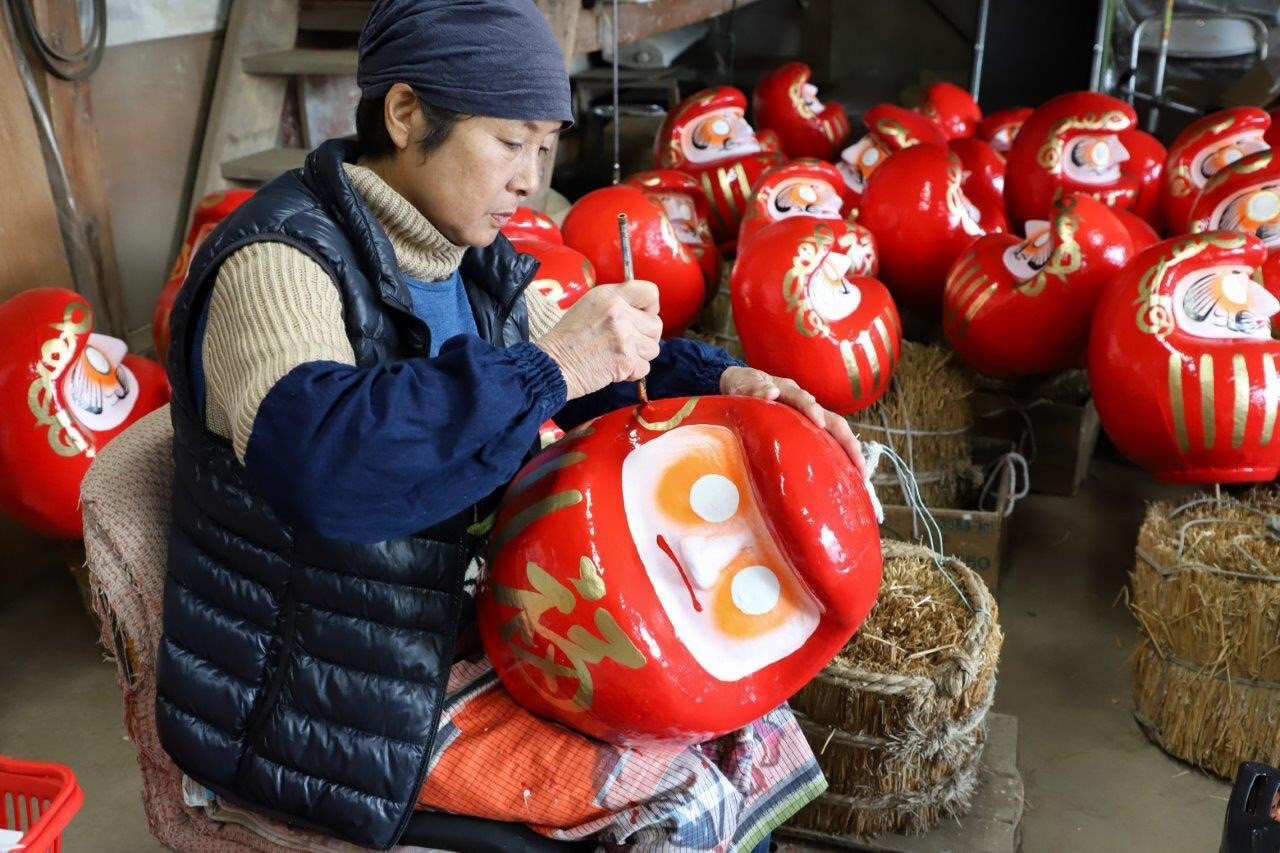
column 911, row 494
column 1017, row 463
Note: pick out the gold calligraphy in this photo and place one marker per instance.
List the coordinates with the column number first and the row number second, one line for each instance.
column 65, row 438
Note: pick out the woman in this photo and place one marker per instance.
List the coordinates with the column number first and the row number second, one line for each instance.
column 354, row 382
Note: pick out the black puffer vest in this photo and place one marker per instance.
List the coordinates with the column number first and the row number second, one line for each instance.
column 298, row 675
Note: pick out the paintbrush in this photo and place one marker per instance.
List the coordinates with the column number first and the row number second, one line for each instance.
column 628, row 273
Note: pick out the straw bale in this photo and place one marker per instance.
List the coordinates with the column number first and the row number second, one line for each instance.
column 1214, row 599
column 925, row 416
column 898, row 719
column 1211, row 719
column 715, row 324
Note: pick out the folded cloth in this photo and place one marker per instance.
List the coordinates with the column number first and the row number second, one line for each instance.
column 493, row 759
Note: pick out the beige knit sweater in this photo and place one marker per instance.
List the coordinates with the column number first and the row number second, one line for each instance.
column 274, row 308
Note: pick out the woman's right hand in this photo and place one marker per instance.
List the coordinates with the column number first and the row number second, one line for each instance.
column 609, row 335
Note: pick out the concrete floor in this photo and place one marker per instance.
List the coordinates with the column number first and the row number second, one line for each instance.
column 1092, row 781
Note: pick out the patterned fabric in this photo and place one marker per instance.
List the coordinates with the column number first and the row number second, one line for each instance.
column 726, row 794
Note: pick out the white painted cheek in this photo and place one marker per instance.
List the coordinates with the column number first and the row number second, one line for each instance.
column 755, row 590
column 714, row 498
column 705, row 557
column 1262, row 301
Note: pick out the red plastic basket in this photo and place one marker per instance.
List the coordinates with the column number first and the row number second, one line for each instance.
column 38, row 799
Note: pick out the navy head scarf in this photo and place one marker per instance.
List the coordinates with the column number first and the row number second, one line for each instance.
column 494, row 58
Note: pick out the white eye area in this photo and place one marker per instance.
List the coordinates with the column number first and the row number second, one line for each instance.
column 714, row 498
column 807, row 194
column 1231, row 155
column 755, row 590
column 720, row 127
column 1235, row 289
column 1100, row 154
column 97, row 360
column 1264, row 206
column 870, row 157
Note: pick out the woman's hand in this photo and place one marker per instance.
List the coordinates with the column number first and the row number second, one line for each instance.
column 749, row 382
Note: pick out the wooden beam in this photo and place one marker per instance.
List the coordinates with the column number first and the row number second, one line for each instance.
column 639, row 21
column 31, row 248
column 244, row 114
column 70, row 110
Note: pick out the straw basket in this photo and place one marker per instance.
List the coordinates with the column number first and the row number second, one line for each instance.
column 1206, row 591
column 898, row 719
column 926, row 417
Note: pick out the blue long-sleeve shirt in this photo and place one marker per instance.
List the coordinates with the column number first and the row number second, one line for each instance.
column 367, row 454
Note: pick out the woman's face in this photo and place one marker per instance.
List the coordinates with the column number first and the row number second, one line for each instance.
column 469, row 186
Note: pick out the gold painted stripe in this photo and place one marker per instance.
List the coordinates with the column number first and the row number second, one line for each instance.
column 671, row 422
column 1271, row 393
column 977, row 304
column 1176, row 404
column 726, row 190
column 710, row 193
column 549, row 466
column 851, row 368
column 962, row 275
column 864, row 340
column 879, row 325
column 1207, row 420
column 743, row 182
column 532, row 513
column 1240, row 413
column 972, row 289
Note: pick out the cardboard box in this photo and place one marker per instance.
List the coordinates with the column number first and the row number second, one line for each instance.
column 1056, row 431
column 976, row 537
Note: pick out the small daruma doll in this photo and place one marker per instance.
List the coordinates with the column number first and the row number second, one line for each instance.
column 682, row 200
column 806, row 308
column 922, row 219
column 952, row 109
column 787, row 103
column 708, row 137
column 1206, row 147
column 1000, row 128
column 657, row 253
column 1244, row 197
column 65, row 391
column 1020, row 306
column 563, row 275
column 1183, row 365
column 799, row 188
column 890, row 128
column 211, row 210
column 671, row 572
column 527, row 224
column 1070, row 144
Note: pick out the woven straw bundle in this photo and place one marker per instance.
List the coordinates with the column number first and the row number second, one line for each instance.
column 715, row 324
column 1206, row 592
column 898, row 719
column 925, row 416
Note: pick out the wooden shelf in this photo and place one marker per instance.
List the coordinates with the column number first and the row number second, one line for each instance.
column 264, row 165
column 302, row 61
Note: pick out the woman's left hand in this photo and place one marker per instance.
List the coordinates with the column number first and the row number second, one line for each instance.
column 749, row 382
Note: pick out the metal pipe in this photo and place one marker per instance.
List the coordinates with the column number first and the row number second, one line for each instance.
column 1162, row 59
column 617, row 112
column 1099, row 35
column 979, row 48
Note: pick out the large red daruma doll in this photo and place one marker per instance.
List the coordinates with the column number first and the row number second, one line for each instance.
column 952, row 109
column 671, row 572
column 65, row 392
column 1070, row 144
column 211, row 210
column 708, row 137
column 682, row 200
column 1206, row 147
column 890, row 128
column 1020, row 306
column 916, row 207
column 799, row 188
column 657, row 253
column 1182, row 363
column 807, row 308
column 786, row 102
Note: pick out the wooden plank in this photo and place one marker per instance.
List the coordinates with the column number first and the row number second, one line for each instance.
column 244, row 114
column 637, row 21
column 263, row 165
column 70, row 110
column 31, row 248
column 342, row 16
column 304, row 61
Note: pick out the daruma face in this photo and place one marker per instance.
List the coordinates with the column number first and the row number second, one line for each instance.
column 1183, row 364
column 1000, row 128
column 681, row 198
column 799, row 188
column 671, row 572
column 1244, row 197
column 786, row 103
column 1206, row 147
column 66, row 391
column 890, row 128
